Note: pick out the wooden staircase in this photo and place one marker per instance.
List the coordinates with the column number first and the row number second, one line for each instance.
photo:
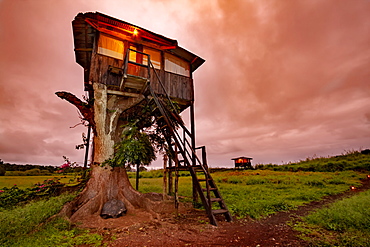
column 185, row 157
column 180, row 140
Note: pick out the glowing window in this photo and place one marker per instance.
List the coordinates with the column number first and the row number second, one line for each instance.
column 133, row 55
column 110, row 47
column 155, row 57
column 176, row 65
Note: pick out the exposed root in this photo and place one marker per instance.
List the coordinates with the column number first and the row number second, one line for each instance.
column 108, row 183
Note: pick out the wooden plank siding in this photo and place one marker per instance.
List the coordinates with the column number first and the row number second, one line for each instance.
column 177, row 86
column 99, row 70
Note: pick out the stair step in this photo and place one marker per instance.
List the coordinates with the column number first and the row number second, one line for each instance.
column 216, row 199
column 219, row 211
column 197, row 168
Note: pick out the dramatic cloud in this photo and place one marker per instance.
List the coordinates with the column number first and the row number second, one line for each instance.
column 283, row 80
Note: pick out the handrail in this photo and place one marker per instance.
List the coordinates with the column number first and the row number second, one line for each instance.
column 127, row 60
column 160, row 83
column 185, row 150
column 182, row 144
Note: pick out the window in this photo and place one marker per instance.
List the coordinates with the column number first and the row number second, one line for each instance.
column 133, row 56
column 155, row 57
column 176, row 65
column 110, row 47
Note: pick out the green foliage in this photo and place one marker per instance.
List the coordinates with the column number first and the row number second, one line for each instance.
column 15, row 167
column 353, row 160
column 135, row 148
column 28, row 226
column 14, row 195
column 2, row 170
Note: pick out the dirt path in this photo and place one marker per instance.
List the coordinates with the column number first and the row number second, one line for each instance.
column 192, row 229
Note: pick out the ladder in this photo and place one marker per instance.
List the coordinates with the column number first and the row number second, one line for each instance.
column 179, row 140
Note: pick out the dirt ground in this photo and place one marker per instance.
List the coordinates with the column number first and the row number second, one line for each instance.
column 191, row 228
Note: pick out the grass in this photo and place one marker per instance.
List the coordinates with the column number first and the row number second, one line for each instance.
column 29, row 226
column 348, row 214
column 344, row 223
column 251, row 193
column 28, row 181
column 258, row 193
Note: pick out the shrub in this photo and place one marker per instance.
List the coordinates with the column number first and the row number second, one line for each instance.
column 14, row 195
column 32, row 172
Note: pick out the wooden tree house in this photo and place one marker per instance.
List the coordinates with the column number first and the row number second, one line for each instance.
column 243, row 162
column 125, row 64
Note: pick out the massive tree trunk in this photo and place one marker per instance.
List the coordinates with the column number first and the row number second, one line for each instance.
column 105, row 182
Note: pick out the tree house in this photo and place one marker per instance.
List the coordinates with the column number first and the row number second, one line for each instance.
column 243, row 162
column 117, row 54
column 124, row 64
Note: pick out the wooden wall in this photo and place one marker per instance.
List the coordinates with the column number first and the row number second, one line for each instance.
column 177, row 86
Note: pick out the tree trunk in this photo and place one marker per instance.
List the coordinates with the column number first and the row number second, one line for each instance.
column 106, row 182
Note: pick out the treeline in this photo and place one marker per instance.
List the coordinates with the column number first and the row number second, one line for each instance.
column 30, row 170
column 353, row 160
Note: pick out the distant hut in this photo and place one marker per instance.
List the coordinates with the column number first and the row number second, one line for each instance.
column 243, row 162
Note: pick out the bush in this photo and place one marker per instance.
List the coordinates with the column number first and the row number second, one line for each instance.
column 14, row 195
column 32, row 172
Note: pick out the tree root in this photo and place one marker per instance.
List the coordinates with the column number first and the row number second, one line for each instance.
column 105, row 184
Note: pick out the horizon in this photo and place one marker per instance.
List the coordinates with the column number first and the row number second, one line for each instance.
column 151, row 167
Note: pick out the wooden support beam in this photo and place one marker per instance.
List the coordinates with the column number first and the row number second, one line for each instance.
column 170, row 180
column 165, row 159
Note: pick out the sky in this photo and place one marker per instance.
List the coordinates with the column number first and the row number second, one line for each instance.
column 283, row 80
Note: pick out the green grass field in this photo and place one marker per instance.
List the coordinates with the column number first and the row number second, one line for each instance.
column 343, row 223
column 250, row 193
column 28, row 181
column 259, row 193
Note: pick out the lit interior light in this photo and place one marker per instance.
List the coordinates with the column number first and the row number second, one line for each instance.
column 353, row 187
column 368, row 176
column 136, row 32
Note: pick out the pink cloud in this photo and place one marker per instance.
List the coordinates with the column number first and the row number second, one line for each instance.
column 281, row 81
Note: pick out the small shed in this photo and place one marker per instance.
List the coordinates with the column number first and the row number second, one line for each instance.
column 243, row 162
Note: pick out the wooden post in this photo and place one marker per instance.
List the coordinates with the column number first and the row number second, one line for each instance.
column 176, row 183
column 170, row 181
column 87, row 146
column 192, row 123
column 165, row 159
column 137, row 176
